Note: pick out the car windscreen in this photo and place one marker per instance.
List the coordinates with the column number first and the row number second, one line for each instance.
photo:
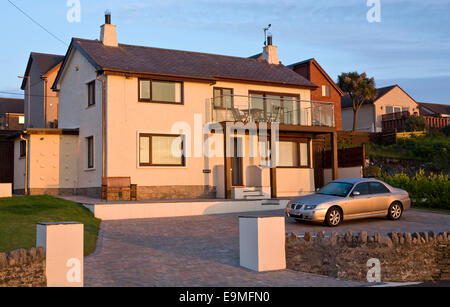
column 336, row 188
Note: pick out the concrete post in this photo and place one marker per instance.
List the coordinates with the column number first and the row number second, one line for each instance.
column 5, row 190
column 262, row 243
column 64, row 252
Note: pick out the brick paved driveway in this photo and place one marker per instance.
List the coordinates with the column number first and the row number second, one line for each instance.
column 204, row 251
column 186, row 251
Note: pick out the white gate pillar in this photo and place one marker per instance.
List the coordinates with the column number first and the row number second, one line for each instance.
column 64, row 252
column 262, row 243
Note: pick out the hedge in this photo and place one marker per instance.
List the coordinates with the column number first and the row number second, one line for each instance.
column 431, row 191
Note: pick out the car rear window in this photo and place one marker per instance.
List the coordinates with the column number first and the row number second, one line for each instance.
column 378, row 188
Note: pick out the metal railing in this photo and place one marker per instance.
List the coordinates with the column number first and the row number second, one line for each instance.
column 286, row 110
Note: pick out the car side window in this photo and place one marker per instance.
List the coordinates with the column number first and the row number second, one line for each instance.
column 378, row 188
column 362, row 188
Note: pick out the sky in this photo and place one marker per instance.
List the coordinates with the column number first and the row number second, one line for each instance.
column 410, row 46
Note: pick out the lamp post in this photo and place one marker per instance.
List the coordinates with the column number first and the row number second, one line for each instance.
column 29, row 100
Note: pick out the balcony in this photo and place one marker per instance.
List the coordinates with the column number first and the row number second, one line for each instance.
column 272, row 109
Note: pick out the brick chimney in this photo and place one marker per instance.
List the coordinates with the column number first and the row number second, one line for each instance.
column 270, row 54
column 108, row 34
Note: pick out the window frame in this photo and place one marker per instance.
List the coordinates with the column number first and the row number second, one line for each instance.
column 384, row 186
column 150, row 163
column 222, row 103
column 298, row 141
column 150, row 100
column 90, row 102
column 90, row 166
column 327, row 90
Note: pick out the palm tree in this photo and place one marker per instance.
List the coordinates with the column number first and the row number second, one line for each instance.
column 359, row 88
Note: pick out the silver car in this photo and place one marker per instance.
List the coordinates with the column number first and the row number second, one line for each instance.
column 348, row 199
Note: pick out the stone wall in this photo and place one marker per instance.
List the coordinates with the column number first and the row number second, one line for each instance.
column 22, row 268
column 403, row 257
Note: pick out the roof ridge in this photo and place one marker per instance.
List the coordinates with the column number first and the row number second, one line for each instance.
column 178, row 50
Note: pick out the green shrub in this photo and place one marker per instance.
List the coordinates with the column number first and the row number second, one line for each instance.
column 430, row 191
column 415, row 123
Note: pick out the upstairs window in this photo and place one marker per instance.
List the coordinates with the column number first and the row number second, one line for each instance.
column 325, row 91
column 160, row 91
column 223, row 98
column 91, row 93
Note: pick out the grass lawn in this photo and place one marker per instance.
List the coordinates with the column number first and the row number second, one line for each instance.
column 19, row 216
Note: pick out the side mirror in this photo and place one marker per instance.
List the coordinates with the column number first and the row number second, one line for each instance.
column 318, row 189
column 356, row 193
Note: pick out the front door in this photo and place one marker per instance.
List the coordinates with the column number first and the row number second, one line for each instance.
column 237, row 163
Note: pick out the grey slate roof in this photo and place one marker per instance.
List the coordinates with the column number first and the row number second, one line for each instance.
column 148, row 60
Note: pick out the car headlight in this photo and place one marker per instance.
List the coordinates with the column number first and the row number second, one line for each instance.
column 310, row 207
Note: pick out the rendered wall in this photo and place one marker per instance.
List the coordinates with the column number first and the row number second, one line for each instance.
column 294, row 181
column 74, row 113
column 124, row 110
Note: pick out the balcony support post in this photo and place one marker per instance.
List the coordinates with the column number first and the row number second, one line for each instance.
column 334, row 155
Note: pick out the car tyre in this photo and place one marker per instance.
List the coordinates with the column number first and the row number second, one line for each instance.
column 334, row 217
column 395, row 211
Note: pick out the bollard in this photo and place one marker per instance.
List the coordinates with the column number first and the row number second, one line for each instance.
column 64, row 252
column 262, row 243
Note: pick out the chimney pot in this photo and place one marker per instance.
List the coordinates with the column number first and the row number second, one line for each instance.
column 108, row 17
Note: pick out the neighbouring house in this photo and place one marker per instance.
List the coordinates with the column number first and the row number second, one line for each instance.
column 438, row 111
column 390, row 100
column 11, row 114
column 41, row 102
column 327, row 91
column 181, row 125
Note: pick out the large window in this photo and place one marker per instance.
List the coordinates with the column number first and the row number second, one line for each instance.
column 274, row 107
column 90, row 152
column 161, row 150
column 293, row 154
column 160, row 91
column 223, row 98
column 91, row 93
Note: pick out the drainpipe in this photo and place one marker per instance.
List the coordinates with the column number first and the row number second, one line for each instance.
column 45, row 101
column 103, row 125
column 26, row 162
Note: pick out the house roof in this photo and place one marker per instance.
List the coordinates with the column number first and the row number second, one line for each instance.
column 324, row 73
column 346, row 101
column 44, row 61
column 167, row 62
column 434, row 108
column 11, row 105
